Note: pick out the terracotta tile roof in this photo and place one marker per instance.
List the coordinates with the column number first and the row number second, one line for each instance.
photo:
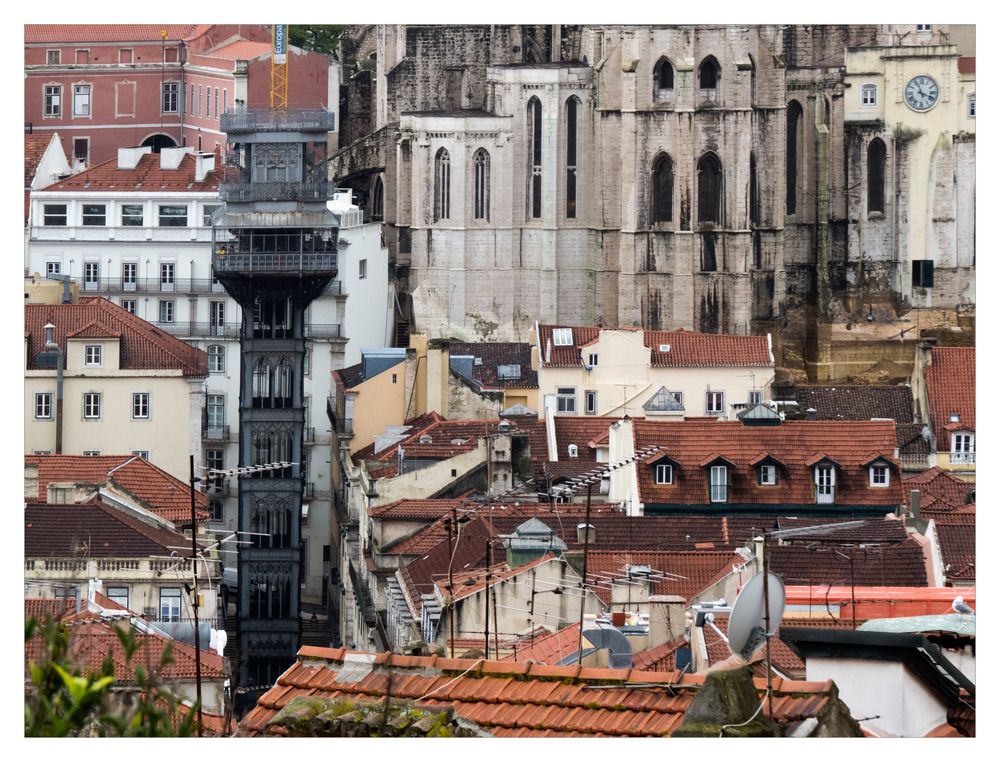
column 564, row 356
column 795, row 444
column 512, row 699
column 967, row 65
column 910, row 438
column 92, row 638
column 494, row 354
column 448, row 439
column 958, row 552
column 142, row 346
column 73, row 33
column 902, row 564
column 680, row 572
column 94, row 530
column 689, row 349
column 408, row 509
column 57, row 608
column 581, row 431
column 35, row 145
column 241, row 50
column 550, row 648
column 851, row 402
column 951, row 390
column 417, row 425
column 146, row 177
column 468, row 553
column 158, row 491
column 350, row 376
column 477, row 579
column 939, row 490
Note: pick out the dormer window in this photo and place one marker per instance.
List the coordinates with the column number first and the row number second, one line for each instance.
column 767, row 475
column 718, row 484
column 826, row 481
column 663, row 473
column 93, row 356
column 562, row 337
column 878, row 475
column 963, row 447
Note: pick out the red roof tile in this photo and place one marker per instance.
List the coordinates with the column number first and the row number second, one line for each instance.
column 94, row 530
column 902, row 564
column 508, row 700
column 407, row 509
column 550, row 648
column 796, row 444
column 92, row 638
column 147, row 176
column 581, row 431
column 940, row 490
column 35, row 145
column 494, row 354
column 241, row 50
column 680, row 572
column 958, row 552
column 73, row 33
column 951, row 390
column 158, row 491
column 142, row 345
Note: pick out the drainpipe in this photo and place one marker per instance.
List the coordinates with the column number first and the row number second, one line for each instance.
column 182, row 107
column 51, row 346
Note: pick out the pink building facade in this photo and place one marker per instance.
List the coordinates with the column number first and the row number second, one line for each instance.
column 104, row 87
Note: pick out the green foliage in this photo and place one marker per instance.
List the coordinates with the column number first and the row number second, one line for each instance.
column 62, row 700
column 323, row 38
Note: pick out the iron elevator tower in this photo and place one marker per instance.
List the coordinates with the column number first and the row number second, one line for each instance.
column 274, row 250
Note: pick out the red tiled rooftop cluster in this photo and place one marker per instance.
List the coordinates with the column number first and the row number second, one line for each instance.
column 951, row 390
column 518, row 699
column 71, row 33
column 680, row 572
column 161, row 493
column 146, row 176
column 142, row 345
column 35, row 144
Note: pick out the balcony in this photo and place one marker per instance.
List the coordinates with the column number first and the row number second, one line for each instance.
column 309, row 434
column 309, row 490
column 247, row 192
column 345, row 427
column 322, row 331
column 150, row 286
column 224, row 260
column 211, row 433
column 225, row 330
column 217, row 487
column 265, row 120
column 963, row 458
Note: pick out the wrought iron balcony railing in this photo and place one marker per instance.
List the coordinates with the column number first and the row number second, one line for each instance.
column 274, row 191
column 226, row 261
column 266, row 120
column 188, row 328
column 149, row 285
column 215, row 433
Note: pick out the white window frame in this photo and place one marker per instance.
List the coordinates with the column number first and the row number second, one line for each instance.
column 972, row 106
column 144, row 454
column 362, row 269
column 53, row 267
column 85, row 156
column 125, row 303
column 172, row 614
column 925, row 28
column 88, row 218
column 49, row 56
column 963, row 447
column 43, row 406
column 134, row 220
column 869, row 95
column 167, row 311
column 755, row 397
column 663, row 473
column 767, row 475
column 718, row 484
column 81, row 89
column 92, row 406
column 207, row 210
column 710, row 396
column 114, row 594
column 215, row 402
column 48, row 218
column 141, row 408
column 172, row 215
column 592, row 359
column 52, row 101
column 882, row 470
column 826, row 488
column 168, row 89
column 562, row 337
column 590, row 402
column 92, row 453
column 168, row 276
column 130, row 275
column 566, row 400
column 93, row 356
column 91, row 275
column 216, row 358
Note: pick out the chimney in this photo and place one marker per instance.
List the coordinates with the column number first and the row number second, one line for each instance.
column 128, row 158
column 666, row 619
column 203, row 164
column 31, row 481
column 811, row 414
column 915, row 504
column 534, row 357
column 171, row 158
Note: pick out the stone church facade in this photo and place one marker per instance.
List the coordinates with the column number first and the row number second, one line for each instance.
column 693, row 177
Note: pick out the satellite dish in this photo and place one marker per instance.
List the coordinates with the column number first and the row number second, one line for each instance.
column 746, row 622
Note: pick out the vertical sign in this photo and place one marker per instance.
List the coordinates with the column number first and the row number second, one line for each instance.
column 279, row 43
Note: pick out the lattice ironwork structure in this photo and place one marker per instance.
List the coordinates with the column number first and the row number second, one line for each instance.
column 274, row 249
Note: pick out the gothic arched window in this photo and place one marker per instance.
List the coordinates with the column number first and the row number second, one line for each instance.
column 793, row 144
column 663, row 75
column 442, row 185
column 534, row 158
column 572, row 109
column 481, row 185
column 709, row 189
column 662, row 186
column 709, row 74
column 876, row 176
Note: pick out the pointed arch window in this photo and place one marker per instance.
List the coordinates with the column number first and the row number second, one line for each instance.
column 378, row 195
column 754, row 193
column 262, row 385
column 662, row 189
column 709, row 76
column 283, row 384
column 793, row 144
column 709, row 189
column 442, row 185
column 481, row 185
column 663, row 75
column 876, row 176
column 753, row 81
column 535, row 158
column 572, row 110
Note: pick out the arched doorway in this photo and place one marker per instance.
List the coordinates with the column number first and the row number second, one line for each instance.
column 159, row 141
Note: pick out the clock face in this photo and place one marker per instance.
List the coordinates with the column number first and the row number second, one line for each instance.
column 921, row 93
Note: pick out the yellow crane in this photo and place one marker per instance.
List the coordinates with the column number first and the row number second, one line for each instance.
column 279, row 67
